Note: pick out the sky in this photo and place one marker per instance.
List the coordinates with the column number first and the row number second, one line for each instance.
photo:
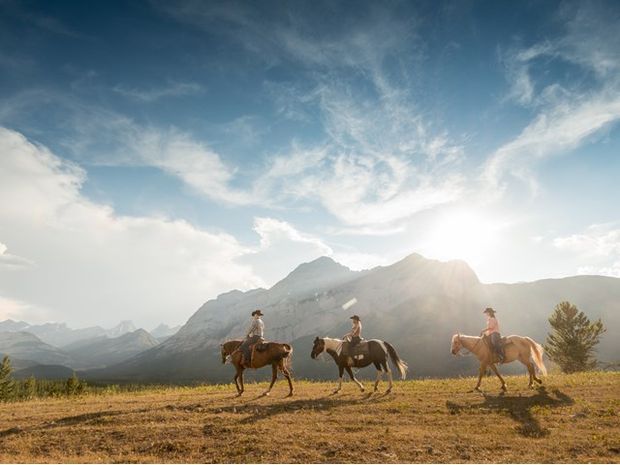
column 154, row 154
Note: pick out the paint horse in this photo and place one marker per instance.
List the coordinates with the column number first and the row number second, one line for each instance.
column 276, row 354
column 524, row 349
column 378, row 353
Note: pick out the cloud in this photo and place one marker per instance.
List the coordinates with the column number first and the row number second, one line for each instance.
column 282, row 246
column 569, row 111
column 174, row 89
column 380, row 162
column 93, row 264
column 554, row 131
column 598, row 246
column 12, row 261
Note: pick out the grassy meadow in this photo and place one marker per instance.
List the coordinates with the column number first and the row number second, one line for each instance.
column 573, row 418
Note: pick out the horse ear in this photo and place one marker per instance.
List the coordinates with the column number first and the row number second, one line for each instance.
column 316, row 339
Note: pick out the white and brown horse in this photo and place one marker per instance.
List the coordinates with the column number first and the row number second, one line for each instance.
column 378, row 353
column 524, row 349
column 276, row 354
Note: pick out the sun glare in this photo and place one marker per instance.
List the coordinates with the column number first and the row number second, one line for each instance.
column 462, row 234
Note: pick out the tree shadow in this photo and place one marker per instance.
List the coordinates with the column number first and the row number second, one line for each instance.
column 519, row 408
column 85, row 418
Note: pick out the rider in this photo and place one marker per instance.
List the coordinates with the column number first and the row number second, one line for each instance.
column 355, row 335
column 254, row 334
column 492, row 330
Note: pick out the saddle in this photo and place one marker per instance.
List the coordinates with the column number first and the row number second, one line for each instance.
column 503, row 342
column 357, row 351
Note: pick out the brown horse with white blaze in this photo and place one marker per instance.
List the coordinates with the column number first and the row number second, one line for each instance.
column 276, row 354
column 520, row 348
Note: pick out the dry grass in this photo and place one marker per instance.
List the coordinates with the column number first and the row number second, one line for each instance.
column 575, row 418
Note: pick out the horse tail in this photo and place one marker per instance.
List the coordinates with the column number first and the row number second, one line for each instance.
column 536, row 353
column 401, row 365
column 287, row 356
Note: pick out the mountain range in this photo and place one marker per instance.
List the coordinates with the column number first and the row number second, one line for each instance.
column 416, row 304
column 31, row 352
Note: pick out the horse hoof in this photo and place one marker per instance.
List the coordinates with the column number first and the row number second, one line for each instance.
column 388, row 391
column 290, row 394
column 265, row 394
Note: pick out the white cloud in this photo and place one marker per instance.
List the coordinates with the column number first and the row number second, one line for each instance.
column 173, row 89
column 598, row 247
column 94, row 265
column 557, row 130
column 569, row 112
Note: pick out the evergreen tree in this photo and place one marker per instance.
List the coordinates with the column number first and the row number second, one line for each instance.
column 573, row 338
column 30, row 387
column 7, row 385
column 72, row 386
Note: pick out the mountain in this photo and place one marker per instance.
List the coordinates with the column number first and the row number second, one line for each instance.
column 163, row 332
column 123, row 327
column 44, row 372
column 12, row 326
column 103, row 351
column 416, row 304
column 26, row 346
column 60, row 335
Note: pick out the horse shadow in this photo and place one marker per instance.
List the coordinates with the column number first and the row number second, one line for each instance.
column 260, row 412
column 519, row 408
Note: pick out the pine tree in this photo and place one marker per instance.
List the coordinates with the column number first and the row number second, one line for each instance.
column 72, row 385
column 30, row 387
column 7, row 385
column 573, row 338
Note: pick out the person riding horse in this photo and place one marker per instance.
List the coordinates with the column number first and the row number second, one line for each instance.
column 355, row 335
column 254, row 335
column 492, row 330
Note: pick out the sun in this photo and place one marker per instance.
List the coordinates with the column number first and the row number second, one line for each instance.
column 462, row 234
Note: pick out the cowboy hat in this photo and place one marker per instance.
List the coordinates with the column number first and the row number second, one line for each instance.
column 257, row 312
column 355, row 317
column 489, row 310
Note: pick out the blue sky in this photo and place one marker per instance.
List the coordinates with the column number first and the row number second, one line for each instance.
column 155, row 154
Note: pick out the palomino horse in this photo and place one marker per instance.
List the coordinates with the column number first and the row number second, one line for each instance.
column 276, row 354
column 378, row 352
column 524, row 349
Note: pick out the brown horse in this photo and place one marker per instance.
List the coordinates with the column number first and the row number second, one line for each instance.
column 524, row 349
column 272, row 353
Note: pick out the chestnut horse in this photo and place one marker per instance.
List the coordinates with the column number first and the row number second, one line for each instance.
column 524, row 349
column 276, row 354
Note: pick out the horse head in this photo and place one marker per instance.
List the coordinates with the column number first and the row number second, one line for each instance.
column 318, row 347
column 456, row 344
column 223, row 353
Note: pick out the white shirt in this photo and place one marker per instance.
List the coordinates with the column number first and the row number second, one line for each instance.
column 257, row 328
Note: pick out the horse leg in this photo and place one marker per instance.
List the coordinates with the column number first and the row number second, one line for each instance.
column 386, row 367
column 236, row 383
column 532, row 373
column 483, row 369
column 340, row 374
column 274, row 376
column 287, row 375
column 361, row 386
column 379, row 375
column 494, row 368
column 240, row 371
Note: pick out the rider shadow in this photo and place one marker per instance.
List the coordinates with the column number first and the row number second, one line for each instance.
column 519, row 408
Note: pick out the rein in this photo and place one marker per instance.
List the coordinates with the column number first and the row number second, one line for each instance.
column 469, row 351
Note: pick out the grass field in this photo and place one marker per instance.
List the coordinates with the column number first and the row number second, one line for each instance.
column 574, row 418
